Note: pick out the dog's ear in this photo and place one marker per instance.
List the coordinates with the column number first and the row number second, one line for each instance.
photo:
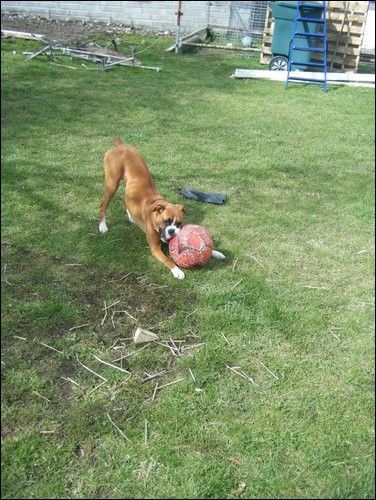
column 183, row 209
column 159, row 208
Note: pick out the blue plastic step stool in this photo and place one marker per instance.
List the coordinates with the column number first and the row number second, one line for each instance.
column 307, row 21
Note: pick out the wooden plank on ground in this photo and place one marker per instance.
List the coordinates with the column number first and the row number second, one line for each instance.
column 21, row 34
column 334, row 78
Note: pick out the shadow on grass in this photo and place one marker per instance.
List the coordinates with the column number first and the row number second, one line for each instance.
column 47, row 300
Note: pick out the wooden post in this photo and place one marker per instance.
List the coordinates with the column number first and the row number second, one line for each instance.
column 208, row 15
column 179, row 13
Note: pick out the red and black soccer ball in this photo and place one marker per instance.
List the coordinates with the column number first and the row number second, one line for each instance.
column 192, row 247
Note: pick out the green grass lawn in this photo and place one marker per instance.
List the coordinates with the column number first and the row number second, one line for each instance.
column 292, row 305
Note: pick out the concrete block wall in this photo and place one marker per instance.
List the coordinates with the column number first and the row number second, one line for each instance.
column 152, row 15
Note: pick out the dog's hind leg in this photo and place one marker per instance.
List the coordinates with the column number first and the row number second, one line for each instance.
column 110, row 189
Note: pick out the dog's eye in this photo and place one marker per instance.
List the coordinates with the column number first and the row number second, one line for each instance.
column 168, row 221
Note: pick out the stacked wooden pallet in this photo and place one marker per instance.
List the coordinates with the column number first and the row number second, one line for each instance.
column 345, row 27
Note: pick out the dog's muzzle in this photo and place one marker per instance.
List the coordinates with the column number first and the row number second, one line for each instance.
column 168, row 232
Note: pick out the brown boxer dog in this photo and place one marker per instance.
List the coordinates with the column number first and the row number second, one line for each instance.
column 159, row 219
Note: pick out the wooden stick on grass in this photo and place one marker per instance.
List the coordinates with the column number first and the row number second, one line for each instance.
column 235, row 371
column 334, row 335
column 169, row 347
column 95, row 388
column 190, row 371
column 68, row 379
column 242, row 374
column 249, row 378
column 111, row 365
column 105, row 308
column 226, row 339
column 155, row 391
column 192, row 346
column 266, row 368
column 150, row 377
column 111, row 305
column 127, row 313
column 93, row 372
column 146, row 433
column 105, row 314
column 40, row 395
column 79, row 326
column 236, row 284
column 313, row 287
column 170, row 383
column 52, row 348
column 131, row 353
column 117, row 428
column 256, row 260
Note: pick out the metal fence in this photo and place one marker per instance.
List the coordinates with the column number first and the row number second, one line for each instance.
column 236, row 25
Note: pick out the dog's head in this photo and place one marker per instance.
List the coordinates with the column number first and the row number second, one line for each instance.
column 168, row 219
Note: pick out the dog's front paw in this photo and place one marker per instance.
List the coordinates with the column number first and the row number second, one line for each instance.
column 178, row 273
column 218, row 255
column 103, row 226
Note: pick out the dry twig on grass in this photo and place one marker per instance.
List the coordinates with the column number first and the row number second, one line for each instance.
column 241, row 374
column 117, row 428
column 79, row 326
column 68, row 379
column 95, row 388
column 314, row 287
column 193, row 377
column 334, row 335
column 105, row 314
column 131, row 353
column 111, row 305
column 127, row 313
column 186, row 347
column 170, row 383
column 226, row 339
column 266, row 368
column 105, row 308
column 174, row 351
column 155, row 391
column 146, row 433
column 52, row 348
column 256, row 260
column 154, row 375
column 236, row 284
column 111, row 365
column 40, row 395
column 91, row 371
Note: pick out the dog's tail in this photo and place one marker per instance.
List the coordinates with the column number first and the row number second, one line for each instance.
column 118, row 140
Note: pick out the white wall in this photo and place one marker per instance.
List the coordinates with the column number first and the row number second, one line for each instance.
column 143, row 14
column 369, row 31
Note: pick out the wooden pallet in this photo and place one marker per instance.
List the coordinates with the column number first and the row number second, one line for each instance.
column 345, row 28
